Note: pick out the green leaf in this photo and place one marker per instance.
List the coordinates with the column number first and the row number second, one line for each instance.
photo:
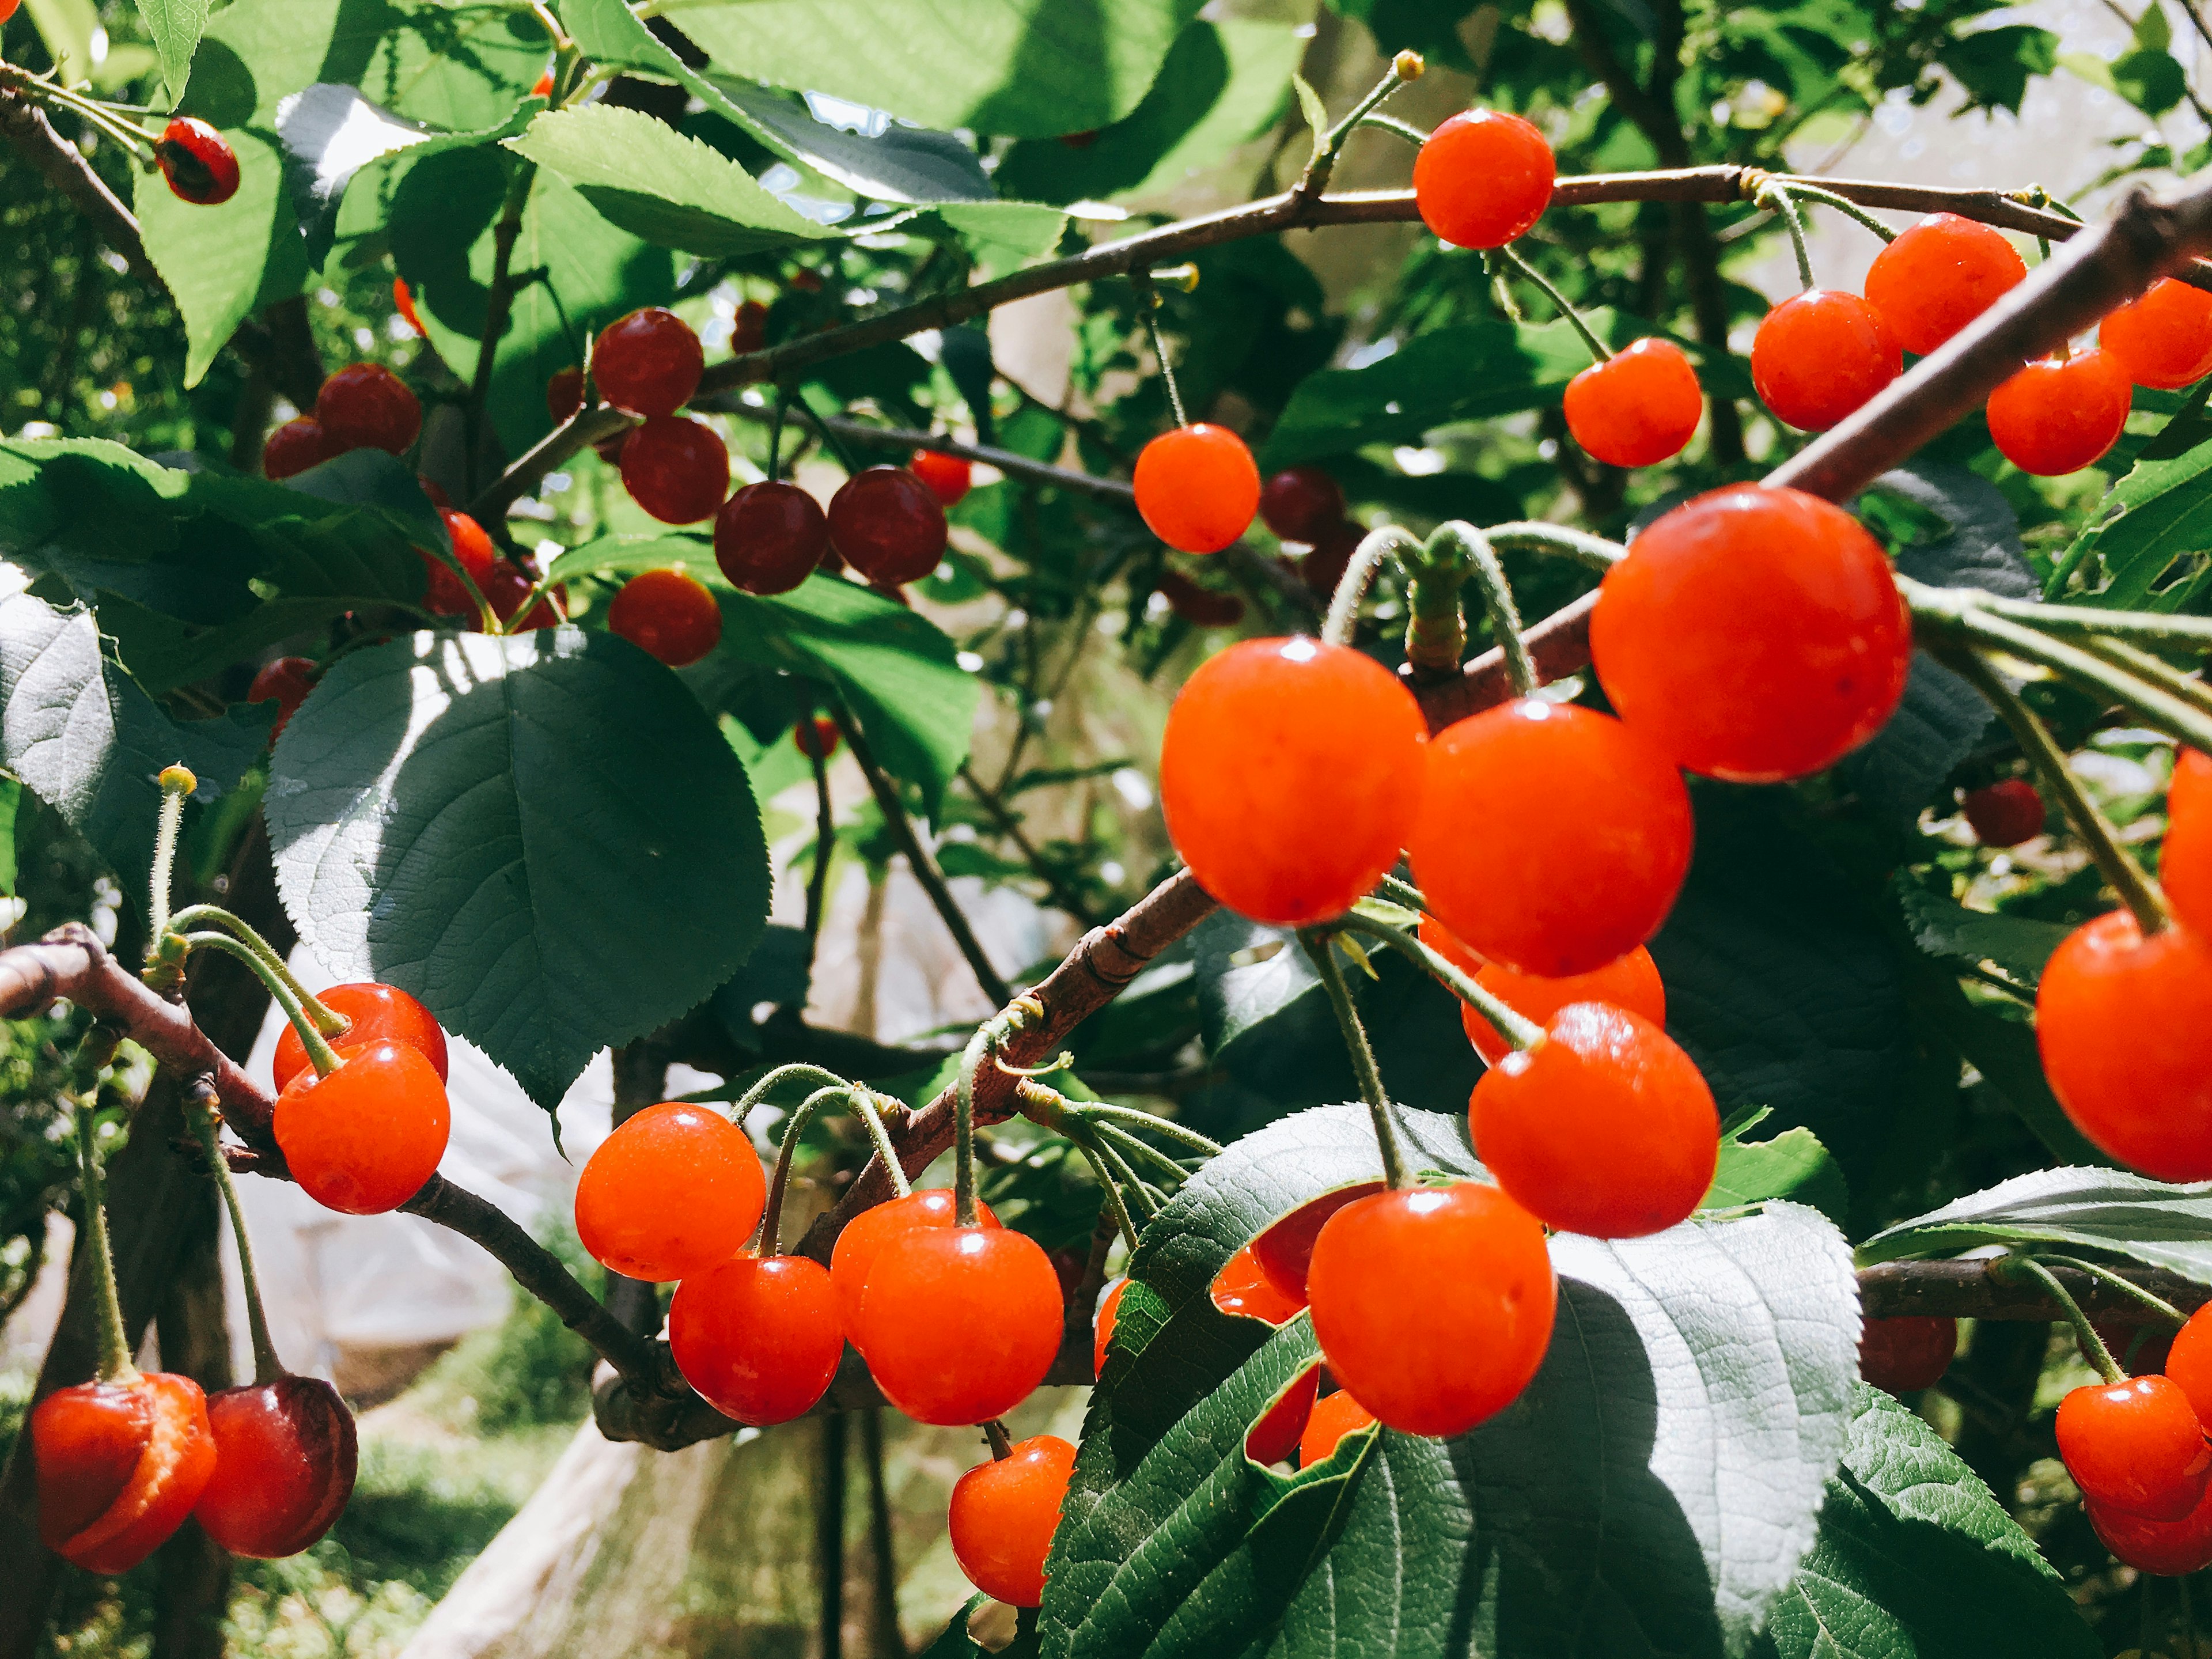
column 1994, row 64
column 2154, row 33
column 2002, row 1049
column 661, row 186
column 1794, row 1165
column 2160, row 507
column 2111, row 1211
column 2150, row 79
column 11, row 803
column 175, row 25
column 2019, row 945
column 542, row 836
column 68, row 27
column 954, row 1642
column 1916, row 1559
column 1310, row 107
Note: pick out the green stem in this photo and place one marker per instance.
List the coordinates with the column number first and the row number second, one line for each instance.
column 864, row 1107
column 1189, row 1137
column 2155, row 669
column 1151, row 302
column 2014, row 1265
column 1131, row 1145
column 1331, row 143
column 329, row 1022
column 1123, row 1179
column 267, row 1367
column 1843, row 204
column 1474, row 554
column 980, row 1047
column 771, row 1221
column 1406, row 130
column 318, row 1051
column 1085, row 1141
column 1405, row 893
column 1771, row 195
column 742, row 1107
column 2158, row 1304
column 1595, row 552
column 1323, row 954
column 1598, row 348
column 115, row 1364
column 176, row 783
column 1342, row 621
column 2150, row 625
column 1516, row 1029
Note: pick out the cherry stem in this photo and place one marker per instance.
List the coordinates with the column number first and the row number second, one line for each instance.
column 1148, row 298
column 1342, row 622
column 267, row 1367
column 771, row 1219
column 177, row 782
column 831, row 440
column 37, row 90
column 1595, row 552
column 1406, row 130
column 540, row 589
column 1774, row 196
column 1794, row 187
column 1323, row 951
column 318, row 1050
column 1133, row 1146
column 328, row 1021
column 115, row 1364
column 1167, row 1127
column 2157, row 1304
column 1002, row 1444
column 864, row 1108
column 2156, row 671
column 981, row 1046
column 770, row 1081
column 1404, row 893
column 1453, row 551
column 825, row 834
column 1050, row 1109
column 776, row 435
column 1515, row 1029
column 2013, row 1265
column 1404, row 67
column 1598, row 348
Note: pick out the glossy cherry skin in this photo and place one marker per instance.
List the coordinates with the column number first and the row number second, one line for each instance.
column 506, row 588
column 747, row 328
column 1300, row 504
column 289, row 680
column 668, row 615
column 1330, row 1420
column 758, row 1338
column 1433, row 1305
column 2135, row 1445
column 1002, row 1519
column 119, row 1465
column 403, row 302
column 366, row 406
column 1551, row 838
column 2060, row 415
column 1483, row 178
column 294, row 447
column 649, row 363
column 887, row 524
column 2124, row 1024
column 2185, row 860
column 2170, row 1549
column 1197, row 605
column 2004, row 813
column 1242, row 1290
column 674, row 1190
column 1638, row 407
column 1903, row 1355
column 2165, row 338
column 2189, row 1361
column 676, row 469
column 1290, row 774
column 364, row 1139
column 1328, row 558
column 1631, row 981
column 947, row 476
column 866, row 1236
column 444, row 593
column 1820, row 356
column 286, row 1457
column 1102, row 1331
column 960, row 1324
column 1197, row 487
column 768, row 538
column 378, row 1013
column 1938, row 276
column 816, row 740
column 1753, row 634
column 198, row 161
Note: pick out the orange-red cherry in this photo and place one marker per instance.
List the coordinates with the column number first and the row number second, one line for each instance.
column 444, row 594
column 757, row 1337
column 1197, row 487
column 1482, row 179
column 947, row 476
column 2171, row 1549
column 649, row 363
column 1330, row 1420
column 119, row 1466
column 888, row 525
column 2185, row 860
column 375, row 1013
column 286, row 1458
column 667, row 614
column 364, row 1139
column 196, row 161
column 2189, row 1361
column 866, row 1236
column 2060, row 415
column 2135, row 1445
column 960, row 1324
column 1904, row 1354
column 366, row 406
column 1753, row 634
column 1244, row 1290
column 1938, row 276
column 509, row 585
column 676, row 469
column 294, row 447
column 1631, row 981
column 1003, row 1515
column 1638, row 408
column 1102, row 1333
column 1818, row 356
column 676, row 1190
column 816, row 740
column 403, row 302
column 2004, row 813
column 2164, row 339
column 1300, row 504
column 1291, row 773
column 287, row 680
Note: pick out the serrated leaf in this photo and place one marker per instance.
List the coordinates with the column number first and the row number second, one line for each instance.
column 2113, row 1211
column 175, row 25
column 2159, row 504
column 448, row 812
column 2018, row 944
column 1793, row 1165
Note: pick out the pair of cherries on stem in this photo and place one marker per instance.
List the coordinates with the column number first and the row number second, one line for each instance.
column 360, row 406
column 364, row 1137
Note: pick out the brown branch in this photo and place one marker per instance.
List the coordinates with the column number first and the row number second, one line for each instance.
column 61, row 165
column 1967, row 1290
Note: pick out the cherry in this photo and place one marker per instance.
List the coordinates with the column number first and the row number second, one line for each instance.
column 649, row 363
column 807, row 280
column 366, row 406
column 378, row 1013
column 286, row 1458
column 2004, row 813
column 1938, row 276
column 364, row 1139
column 1631, row 981
column 564, row 393
column 403, row 300
column 770, row 537
column 1197, row 487
column 864, row 1237
column 1753, row 633
column 1290, row 772
column 1327, row 559
column 1331, row 1419
column 748, row 328
column 1820, row 356
column 1273, row 1437
column 1003, row 1515
column 2135, row 1445
column 1301, row 504
column 2137, row 1347
column 1638, row 407
column 947, row 476
column 2062, row 414
column 1903, row 1355
column 294, row 447
column 2124, row 1024
column 2164, row 339
column 289, row 680
column 1432, row 1351
column 888, row 525
column 1242, row 1290
column 758, row 1338
column 1483, row 178
column 506, row 588
column 2171, row 1549
column 198, row 161
column 1200, row 606
column 543, row 86
column 676, row 1190
column 119, row 1465
column 676, row 469
column 445, row 594
column 2189, row 1361
column 2185, row 860
column 668, row 615
column 817, row 738
column 1102, row 1333
column 1284, row 1249
column 960, row 1324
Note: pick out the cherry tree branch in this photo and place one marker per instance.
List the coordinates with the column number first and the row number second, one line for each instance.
column 1968, row 1290
column 61, row 165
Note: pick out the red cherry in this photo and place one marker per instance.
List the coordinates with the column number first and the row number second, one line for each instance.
column 286, row 1457
column 1938, row 276
column 2164, row 339
column 2005, row 813
column 1102, row 1333
column 676, row 469
column 1003, row 1515
column 443, row 593
column 1327, row 559
column 947, row 476
column 861, row 1243
column 1483, row 178
column 2185, row 860
column 564, row 393
column 1754, row 635
column 506, row 588
column 402, row 299
column 1638, row 407
column 119, row 1465
column 289, row 680
column 1301, row 504
column 543, row 86
column 960, row 1324
column 198, row 161
column 2189, row 1361
column 2060, row 415
column 2137, row 1348
column 2171, row 1549
column 1290, row 774
column 2135, row 1445
column 758, row 1338
column 1284, row 1249
column 364, row 1139
column 1902, row 1355
column 649, row 363
column 1200, row 605
column 888, row 525
column 1197, row 488
column 1551, row 838
column 676, row 1190
column 1429, row 1351
column 807, row 280
column 816, row 740
column 366, row 406
column 1244, row 1290
column 770, row 537
column 294, row 447
column 748, row 328
column 378, row 1013
column 2124, row 1024
column 1820, row 356
column 668, row 615
column 1331, row 1419
column 1631, row 981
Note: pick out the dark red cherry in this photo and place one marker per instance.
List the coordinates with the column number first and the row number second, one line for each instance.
column 888, row 525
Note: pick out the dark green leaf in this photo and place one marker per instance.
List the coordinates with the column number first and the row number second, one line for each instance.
column 2019, row 945
column 2002, row 1049
column 2111, row 1211
column 2160, row 516
column 1993, row 64
column 2150, row 79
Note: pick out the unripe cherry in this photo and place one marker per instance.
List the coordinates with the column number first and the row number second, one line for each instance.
column 376, row 1013
column 1197, row 487
column 674, row 1190
column 365, row 1139
column 1638, row 408
column 1002, row 1518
